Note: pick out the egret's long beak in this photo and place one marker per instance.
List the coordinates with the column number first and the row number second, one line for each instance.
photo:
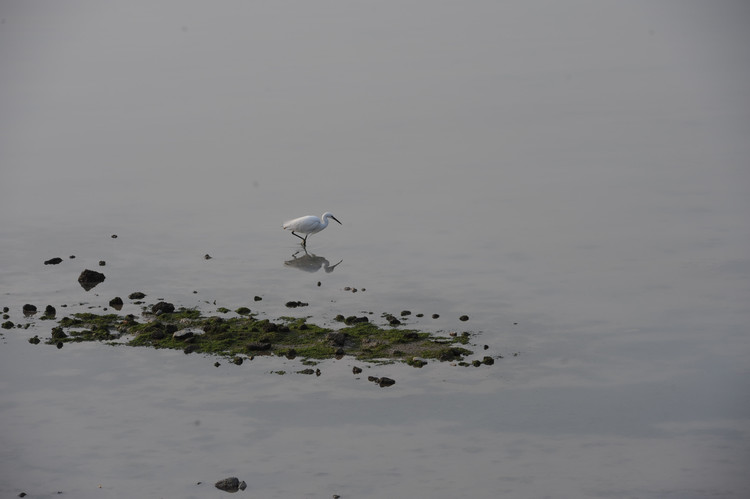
column 336, row 219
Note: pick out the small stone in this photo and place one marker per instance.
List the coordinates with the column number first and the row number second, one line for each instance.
column 488, row 361
column 231, row 484
column 183, row 334
column 435, row 316
column 137, row 295
column 72, row 257
column 53, row 261
column 237, row 361
column 318, row 283
column 207, row 256
column 29, row 309
column 50, row 312
column 464, row 318
column 404, row 313
column 102, row 263
column 162, row 308
column 59, row 345
column 486, row 347
column 116, row 303
column 257, row 298
column 8, row 325
column 114, row 236
column 356, row 370
column 90, row 278
column 35, row 340
column 243, row 485
column 216, row 364
column 385, row 381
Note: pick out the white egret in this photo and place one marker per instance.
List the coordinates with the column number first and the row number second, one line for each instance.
column 308, row 225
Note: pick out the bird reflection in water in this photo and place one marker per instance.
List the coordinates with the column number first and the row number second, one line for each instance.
column 310, row 263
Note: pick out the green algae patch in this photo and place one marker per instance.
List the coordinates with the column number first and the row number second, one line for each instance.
column 234, row 337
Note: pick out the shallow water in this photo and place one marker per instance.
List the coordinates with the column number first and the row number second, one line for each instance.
column 574, row 178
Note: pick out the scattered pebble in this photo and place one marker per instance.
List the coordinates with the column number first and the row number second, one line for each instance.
column 231, row 484
column 295, row 304
column 53, row 261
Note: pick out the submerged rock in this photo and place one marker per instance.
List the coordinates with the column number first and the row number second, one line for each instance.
column 116, row 303
column 53, row 261
column 231, row 484
column 162, row 308
column 137, row 295
column 29, row 309
column 90, row 278
column 50, row 312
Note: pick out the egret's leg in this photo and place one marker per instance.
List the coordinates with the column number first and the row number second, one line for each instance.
column 304, row 239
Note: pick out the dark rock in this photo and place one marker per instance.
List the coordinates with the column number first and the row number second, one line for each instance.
column 72, row 257
column 183, row 334
column 386, row 381
column 190, row 349
column 486, row 347
column 243, row 311
column 114, row 236
column 488, row 361
column 59, row 345
column 116, row 303
column 53, row 261
column 137, row 296
column 237, row 361
column 411, row 335
column 162, row 308
column 257, row 298
column 8, row 325
column 231, row 484
column 35, row 340
column 50, row 312
column 295, row 304
column 29, row 309
column 356, row 370
column 291, row 354
column 476, row 363
column 405, row 313
column 102, row 263
column 207, row 256
column 339, row 318
column 307, row 371
column 435, row 316
column 464, row 318
column 90, row 278
column 217, row 364
column 451, row 354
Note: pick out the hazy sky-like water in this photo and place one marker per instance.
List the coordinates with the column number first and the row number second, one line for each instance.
column 573, row 176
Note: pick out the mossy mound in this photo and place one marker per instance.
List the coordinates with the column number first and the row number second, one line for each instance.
column 188, row 330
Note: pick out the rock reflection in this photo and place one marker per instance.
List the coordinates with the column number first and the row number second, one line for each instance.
column 309, row 262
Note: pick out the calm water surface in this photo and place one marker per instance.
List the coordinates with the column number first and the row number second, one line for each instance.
column 573, row 177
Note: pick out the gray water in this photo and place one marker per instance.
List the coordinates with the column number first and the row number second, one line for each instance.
column 572, row 175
